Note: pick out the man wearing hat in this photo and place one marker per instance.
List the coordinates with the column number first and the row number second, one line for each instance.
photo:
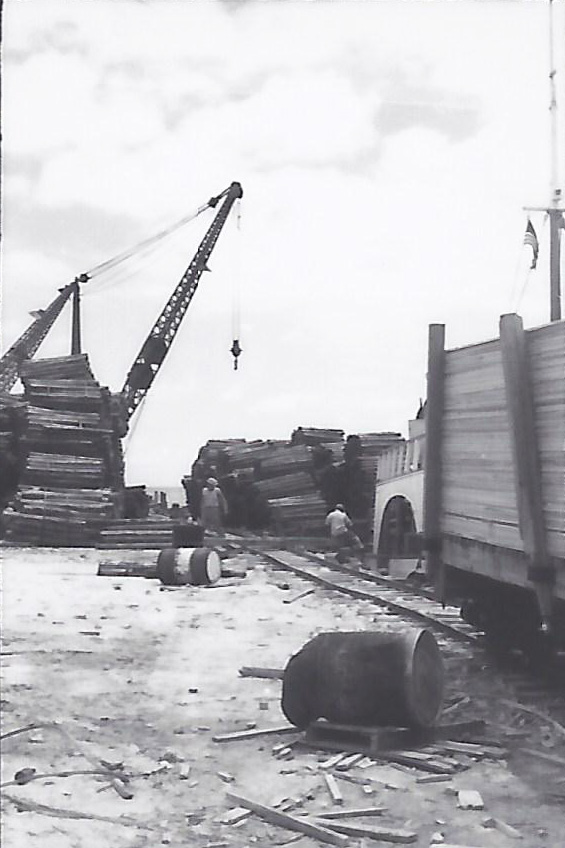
column 341, row 529
column 213, row 506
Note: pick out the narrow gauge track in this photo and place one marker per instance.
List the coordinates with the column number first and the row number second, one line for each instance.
column 366, row 586
column 545, row 687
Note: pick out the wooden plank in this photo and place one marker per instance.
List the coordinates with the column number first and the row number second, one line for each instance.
column 519, row 399
column 273, row 816
column 380, row 834
column 433, row 476
column 350, row 761
column 352, row 813
column 333, row 789
column 331, row 762
column 262, row 672
column 127, row 569
column 436, row 766
column 252, row 734
column 474, row 750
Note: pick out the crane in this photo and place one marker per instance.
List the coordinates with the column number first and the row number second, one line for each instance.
column 161, row 336
column 28, row 343
column 156, row 345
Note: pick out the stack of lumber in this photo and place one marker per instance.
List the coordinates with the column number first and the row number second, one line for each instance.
column 336, row 449
column 303, row 513
column 290, row 485
column 61, row 470
column 367, row 447
column 72, row 481
column 137, row 534
column 12, row 425
column 300, row 483
column 248, row 454
column 286, row 459
column 261, row 476
column 69, row 518
column 315, row 436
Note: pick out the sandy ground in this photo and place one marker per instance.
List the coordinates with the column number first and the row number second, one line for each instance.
column 145, row 675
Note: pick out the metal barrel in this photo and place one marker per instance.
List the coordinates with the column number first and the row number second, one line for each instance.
column 369, row 679
column 188, row 566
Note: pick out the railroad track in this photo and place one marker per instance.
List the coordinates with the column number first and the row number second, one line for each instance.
column 366, row 586
column 540, row 694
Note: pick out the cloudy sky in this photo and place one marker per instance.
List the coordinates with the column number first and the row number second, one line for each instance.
column 386, row 150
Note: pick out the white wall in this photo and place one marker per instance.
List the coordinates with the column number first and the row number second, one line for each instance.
column 409, row 486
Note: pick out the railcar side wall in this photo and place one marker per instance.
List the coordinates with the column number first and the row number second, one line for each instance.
column 479, row 495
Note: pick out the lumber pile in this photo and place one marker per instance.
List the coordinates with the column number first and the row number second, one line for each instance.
column 300, row 483
column 12, row 425
column 72, row 478
column 289, row 485
column 315, row 436
column 306, row 512
column 367, row 447
column 137, row 534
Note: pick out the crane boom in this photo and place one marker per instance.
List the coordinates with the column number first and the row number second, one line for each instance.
column 28, row 343
column 157, row 344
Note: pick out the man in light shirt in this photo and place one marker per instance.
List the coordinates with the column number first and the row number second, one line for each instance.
column 213, row 506
column 341, row 529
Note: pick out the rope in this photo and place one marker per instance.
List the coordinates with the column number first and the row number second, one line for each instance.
column 236, row 304
column 133, row 428
column 118, row 275
column 516, row 277
column 146, row 243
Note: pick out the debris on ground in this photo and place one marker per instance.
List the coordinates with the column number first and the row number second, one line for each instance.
column 168, row 710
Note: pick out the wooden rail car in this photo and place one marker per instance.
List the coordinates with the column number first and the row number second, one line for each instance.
column 494, row 479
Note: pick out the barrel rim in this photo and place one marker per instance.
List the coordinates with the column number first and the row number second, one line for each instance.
column 411, row 644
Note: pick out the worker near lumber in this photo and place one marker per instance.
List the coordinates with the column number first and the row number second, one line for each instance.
column 213, row 506
column 185, row 483
column 341, row 529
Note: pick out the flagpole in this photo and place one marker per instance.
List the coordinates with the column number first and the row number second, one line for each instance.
column 554, row 177
column 555, row 213
column 555, row 210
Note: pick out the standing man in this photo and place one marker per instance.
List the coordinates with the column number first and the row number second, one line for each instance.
column 341, row 529
column 185, row 483
column 213, row 506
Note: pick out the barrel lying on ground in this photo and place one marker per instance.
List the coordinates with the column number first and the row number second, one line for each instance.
column 366, row 679
column 188, row 566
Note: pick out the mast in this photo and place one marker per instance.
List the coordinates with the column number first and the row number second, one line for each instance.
column 555, row 209
column 76, row 345
column 554, row 212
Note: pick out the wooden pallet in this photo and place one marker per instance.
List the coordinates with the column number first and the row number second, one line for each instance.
column 379, row 741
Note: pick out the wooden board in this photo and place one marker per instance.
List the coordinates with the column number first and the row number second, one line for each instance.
column 479, row 495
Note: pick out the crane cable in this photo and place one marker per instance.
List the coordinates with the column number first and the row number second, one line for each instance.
column 131, row 430
column 236, row 299
column 146, row 257
column 146, row 243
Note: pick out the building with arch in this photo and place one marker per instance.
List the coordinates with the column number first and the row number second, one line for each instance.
column 399, row 501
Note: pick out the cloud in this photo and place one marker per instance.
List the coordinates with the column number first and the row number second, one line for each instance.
column 385, row 151
column 422, row 107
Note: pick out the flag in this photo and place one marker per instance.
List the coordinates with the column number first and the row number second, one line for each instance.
column 531, row 239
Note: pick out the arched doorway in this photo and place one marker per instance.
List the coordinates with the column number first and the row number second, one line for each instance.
column 398, row 538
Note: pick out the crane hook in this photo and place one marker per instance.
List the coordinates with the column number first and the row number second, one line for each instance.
column 235, row 351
